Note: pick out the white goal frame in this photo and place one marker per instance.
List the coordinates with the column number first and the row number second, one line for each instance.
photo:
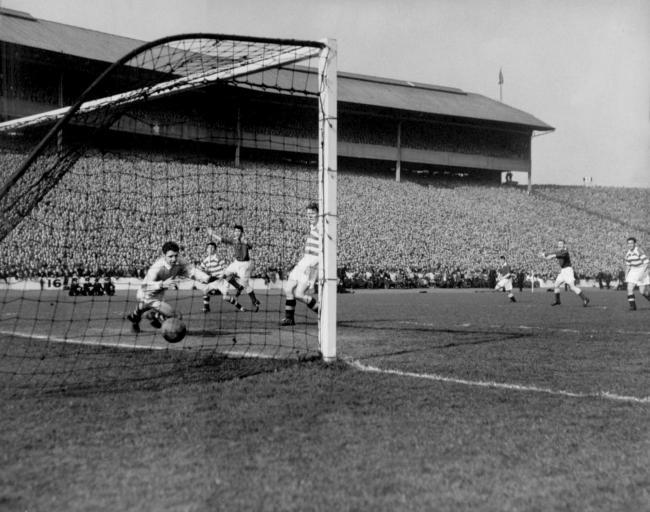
column 327, row 176
column 327, row 145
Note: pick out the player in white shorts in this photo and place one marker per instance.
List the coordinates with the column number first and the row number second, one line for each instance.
column 566, row 275
column 636, row 272
column 162, row 275
column 303, row 276
column 504, row 279
column 238, row 272
column 215, row 267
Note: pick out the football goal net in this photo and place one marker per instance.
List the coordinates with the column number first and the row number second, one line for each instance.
column 191, row 181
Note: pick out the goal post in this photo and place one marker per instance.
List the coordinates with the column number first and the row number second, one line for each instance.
column 183, row 137
column 328, row 179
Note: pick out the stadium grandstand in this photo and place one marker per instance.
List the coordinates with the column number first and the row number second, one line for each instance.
column 434, row 227
column 395, row 126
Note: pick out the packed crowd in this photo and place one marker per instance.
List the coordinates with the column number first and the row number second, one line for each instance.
column 110, row 216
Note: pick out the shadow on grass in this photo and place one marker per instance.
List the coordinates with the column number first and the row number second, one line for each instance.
column 421, row 334
column 73, row 370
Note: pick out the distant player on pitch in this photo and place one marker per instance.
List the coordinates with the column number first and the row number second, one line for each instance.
column 566, row 275
column 504, row 278
column 238, row 273
column 165, row 273
column 304, row 274
column 215, row 267
column 636, row 272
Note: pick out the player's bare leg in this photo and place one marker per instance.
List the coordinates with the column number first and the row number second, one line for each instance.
column 232, row 280
column 303, row 296
column 206, row 300
column 289, row 304
column 157, row 312
column 234, row 302
column 557, row 301
column 645, row 291
column 631, row 300
column 579, row 293
column 254, row 301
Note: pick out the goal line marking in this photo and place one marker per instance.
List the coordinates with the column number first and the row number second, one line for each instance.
column 243, row 353
column 498, row 385
column 73, row 341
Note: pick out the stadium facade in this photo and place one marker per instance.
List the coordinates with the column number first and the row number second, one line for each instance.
column 391, row 125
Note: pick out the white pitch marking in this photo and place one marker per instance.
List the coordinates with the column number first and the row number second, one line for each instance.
column 231, row 353
column 81, row 342
column 500, row 385
column 526, row 327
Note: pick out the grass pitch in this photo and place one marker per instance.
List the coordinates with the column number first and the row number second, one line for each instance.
column 446, row 400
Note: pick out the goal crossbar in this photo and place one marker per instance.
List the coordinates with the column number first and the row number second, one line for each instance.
column 282, row 57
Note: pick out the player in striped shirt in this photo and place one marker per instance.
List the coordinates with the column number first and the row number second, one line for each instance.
column 636, row 272
column 165, row 273
column 215, row 267
column 303, row 276
column 504, row 279
column 238, row 271
column 566, row 275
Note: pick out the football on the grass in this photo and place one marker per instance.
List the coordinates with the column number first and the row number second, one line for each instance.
column 173, row 330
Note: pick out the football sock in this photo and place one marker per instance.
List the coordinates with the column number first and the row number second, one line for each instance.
column 234, row 302
column 289, row 308
column 313, row 305
column 557, row 298
column 236, row 285
column 136, row 316
column 646, row 295
column 254, row 299
column 631, row 301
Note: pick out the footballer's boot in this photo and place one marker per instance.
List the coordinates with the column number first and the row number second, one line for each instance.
column 155, row 320
column 585, row 302
column 135, row 323
column 287, row 321
column 512, row 299
column 206, row 308
column 557, row 300
column 256, row 305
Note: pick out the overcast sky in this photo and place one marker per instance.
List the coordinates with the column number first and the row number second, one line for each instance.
column 582, row 66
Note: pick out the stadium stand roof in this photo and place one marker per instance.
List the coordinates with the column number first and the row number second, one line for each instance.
column 20, row 28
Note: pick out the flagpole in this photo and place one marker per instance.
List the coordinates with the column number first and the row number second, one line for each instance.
column 501, row 85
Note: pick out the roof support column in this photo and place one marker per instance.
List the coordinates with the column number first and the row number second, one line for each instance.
column 398, row 163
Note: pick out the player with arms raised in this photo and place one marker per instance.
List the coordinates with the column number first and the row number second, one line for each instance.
column 303, row 276
column 504, row 278
column 238, row 273
column 165, row 273
column 566, row 275
column 636, row 271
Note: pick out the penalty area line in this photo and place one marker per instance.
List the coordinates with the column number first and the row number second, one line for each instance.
column 498, row 385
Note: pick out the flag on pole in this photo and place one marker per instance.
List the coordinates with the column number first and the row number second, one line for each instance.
column 500, row 77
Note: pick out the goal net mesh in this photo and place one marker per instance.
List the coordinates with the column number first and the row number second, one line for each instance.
column 182, row 136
